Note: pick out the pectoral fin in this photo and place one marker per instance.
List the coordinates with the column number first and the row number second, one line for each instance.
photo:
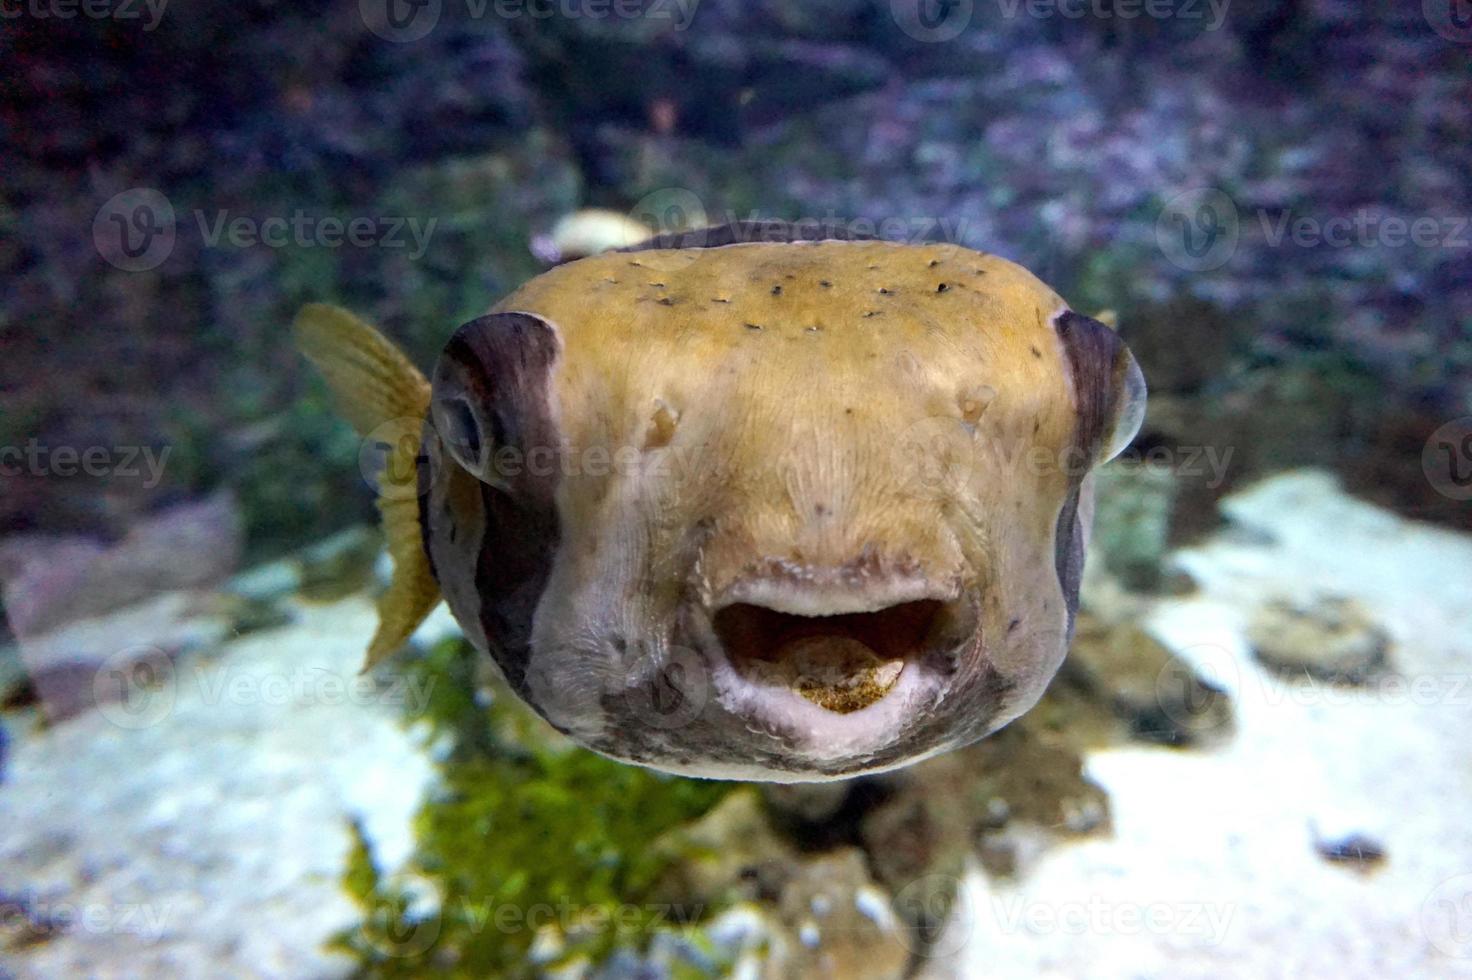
column 386, row 399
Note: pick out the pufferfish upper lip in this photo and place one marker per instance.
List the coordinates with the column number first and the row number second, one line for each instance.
column 864, row 585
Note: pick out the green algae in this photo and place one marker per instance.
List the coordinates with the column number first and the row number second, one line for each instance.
column 529, row 851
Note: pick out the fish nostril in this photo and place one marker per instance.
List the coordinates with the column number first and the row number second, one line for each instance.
column 662, row 423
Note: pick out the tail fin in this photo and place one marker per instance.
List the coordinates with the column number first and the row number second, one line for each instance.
column 374, row 385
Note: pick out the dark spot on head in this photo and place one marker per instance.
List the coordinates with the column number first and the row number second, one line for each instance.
column 848, row 411
column 1037, row 353
column 1013, row 625
column 819, row 509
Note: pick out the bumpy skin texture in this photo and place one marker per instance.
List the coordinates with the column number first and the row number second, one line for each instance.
column 818, row 428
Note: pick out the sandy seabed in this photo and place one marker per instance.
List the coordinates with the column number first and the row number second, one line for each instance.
column 1211, row 870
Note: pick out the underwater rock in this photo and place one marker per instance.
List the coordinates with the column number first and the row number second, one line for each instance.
column 834, row 920
column 340, row 565
column 104, row 659
column 588, row 232
column 731, row 854
column 51, row 581
column 1004, row 799
column 1155, row 693
column 808, row 803
column 1358, row 851
column 745, row 940
column 845, row 925
column 1329, row 638
column 1133, row 504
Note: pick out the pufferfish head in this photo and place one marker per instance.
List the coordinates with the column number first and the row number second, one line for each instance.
column 780, row 511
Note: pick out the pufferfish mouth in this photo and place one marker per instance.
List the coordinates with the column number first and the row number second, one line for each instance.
column 842, row 662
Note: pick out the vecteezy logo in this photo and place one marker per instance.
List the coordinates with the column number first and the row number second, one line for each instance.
column 393, row 932
column 671, row 209
column 1446, row 459
column 134, row 230
column 939, row 456
column 400, row 21
column 939, row 914
column 1446, row 916
column 389, row 459
column 1197, row 229
column 135, row 687
column 666, row 691
column 1452, row 19
column 932, row 20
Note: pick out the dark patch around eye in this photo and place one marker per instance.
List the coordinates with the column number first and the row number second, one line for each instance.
column 1092, row 350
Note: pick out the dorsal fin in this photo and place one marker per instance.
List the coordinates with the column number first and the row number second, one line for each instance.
column 385, row 397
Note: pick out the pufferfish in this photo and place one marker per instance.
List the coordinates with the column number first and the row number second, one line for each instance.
column 734, row 507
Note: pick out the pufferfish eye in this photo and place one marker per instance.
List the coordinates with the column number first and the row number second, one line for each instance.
column 1129, row 408
column 1108, row 385
column 461, row 432
column 488, row 400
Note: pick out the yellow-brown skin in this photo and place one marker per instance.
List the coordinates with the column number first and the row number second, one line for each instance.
column 814, row 428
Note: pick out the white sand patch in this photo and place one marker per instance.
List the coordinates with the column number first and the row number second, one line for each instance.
column 1211, row 870
column 204, row 831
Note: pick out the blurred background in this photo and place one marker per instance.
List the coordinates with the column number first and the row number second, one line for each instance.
column 1273, row 197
